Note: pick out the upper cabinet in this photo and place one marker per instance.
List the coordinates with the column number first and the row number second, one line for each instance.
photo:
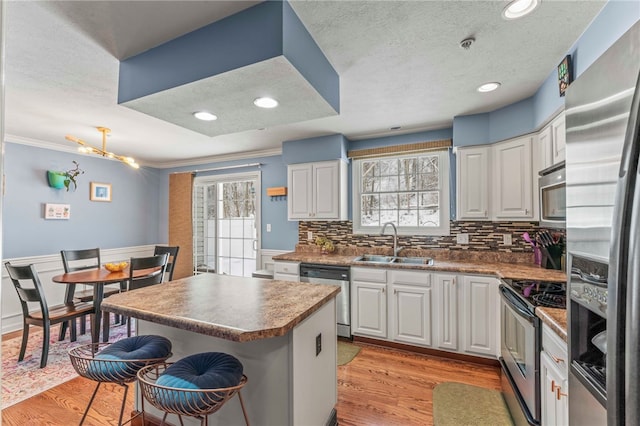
column 513, row 180
column 495, row 182
column 317, row 191
column 551, row 143
column 473, row 177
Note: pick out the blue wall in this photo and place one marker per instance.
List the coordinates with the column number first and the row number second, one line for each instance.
column 322, row 148
column 130, row 219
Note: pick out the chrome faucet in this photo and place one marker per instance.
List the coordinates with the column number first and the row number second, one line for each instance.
column 395, row 236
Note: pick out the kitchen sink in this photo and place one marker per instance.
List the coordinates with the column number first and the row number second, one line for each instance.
column 372, row 258
column 414, row 260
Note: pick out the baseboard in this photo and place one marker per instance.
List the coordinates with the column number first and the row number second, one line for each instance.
column 428, row 351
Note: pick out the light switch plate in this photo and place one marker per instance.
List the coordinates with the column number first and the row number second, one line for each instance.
column 309, row 236
column 462, row 238
column 268, row 227
column 507, row 240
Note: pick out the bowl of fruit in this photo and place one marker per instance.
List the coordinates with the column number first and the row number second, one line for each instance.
column 116, row 267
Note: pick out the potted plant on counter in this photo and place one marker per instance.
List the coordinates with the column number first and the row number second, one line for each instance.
column 61, row 180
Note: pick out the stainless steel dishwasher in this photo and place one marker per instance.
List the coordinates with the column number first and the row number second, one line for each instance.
column 332, row 275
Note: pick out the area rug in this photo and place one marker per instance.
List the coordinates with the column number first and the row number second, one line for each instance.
column 24, row 379
column 346, row 352
column 457, row 404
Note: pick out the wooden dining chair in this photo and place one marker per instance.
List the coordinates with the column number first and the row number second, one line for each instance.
column 173, row 257
column 29, row 288
column 79, row 260
column 158, row 262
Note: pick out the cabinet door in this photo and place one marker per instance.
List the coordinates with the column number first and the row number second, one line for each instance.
column 513, row 179
column 480, row 315
column 446, row 303
column 553, row 393
column 545, row 148
column 411, row 314
column 300, row 187
column 473, row 182
column 326, row 190
column 559, row 139
column 369, row 314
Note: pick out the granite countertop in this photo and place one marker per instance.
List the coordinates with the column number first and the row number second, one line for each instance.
column 232, row 308
column 507, row 270
column 554, row 318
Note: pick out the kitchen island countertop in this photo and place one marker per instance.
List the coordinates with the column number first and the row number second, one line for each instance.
column 232, row 308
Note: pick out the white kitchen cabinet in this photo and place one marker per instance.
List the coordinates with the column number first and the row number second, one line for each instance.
column 446, row 308
column 513, row 179
column 558, row 129
column 554, row 379
column 480, row 315
column 286, row 271
column 369, row 302
column 473, row 177
column 411, row 313
column 551, row 143
column 317, row 191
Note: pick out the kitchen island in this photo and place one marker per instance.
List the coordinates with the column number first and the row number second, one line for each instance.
column 275, row 328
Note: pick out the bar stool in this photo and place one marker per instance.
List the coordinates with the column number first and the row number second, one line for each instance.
column 118, row 362
column 195, row 386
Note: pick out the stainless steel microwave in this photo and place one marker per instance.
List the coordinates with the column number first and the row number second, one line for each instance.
column 553, row 199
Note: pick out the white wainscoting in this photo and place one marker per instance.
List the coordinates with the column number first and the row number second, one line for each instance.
column 49, row 266
column 266, row 255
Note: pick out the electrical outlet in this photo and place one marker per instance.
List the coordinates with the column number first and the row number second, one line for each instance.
column 462, row 238
column 309, row 236
column 268, row 227
column 318, row 344
column 507, row 240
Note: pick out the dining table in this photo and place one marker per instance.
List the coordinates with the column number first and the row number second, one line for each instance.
column 98, row 277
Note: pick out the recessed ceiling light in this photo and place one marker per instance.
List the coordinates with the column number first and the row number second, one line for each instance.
column 488, row 87
column 205, row 116
column 519, row 8
column 265, row 102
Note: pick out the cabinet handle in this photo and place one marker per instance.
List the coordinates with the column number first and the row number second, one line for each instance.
column 395, row 291
column 556, row 359
column 559, row 393
column 526, row 211
column 554, row 387
column 453, row 281
column 383, row 290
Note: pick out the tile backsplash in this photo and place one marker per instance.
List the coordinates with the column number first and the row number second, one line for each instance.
column 487, row 236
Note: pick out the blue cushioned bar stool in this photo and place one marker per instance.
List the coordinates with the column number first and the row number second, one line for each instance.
column 118, row 362
column 195, row 386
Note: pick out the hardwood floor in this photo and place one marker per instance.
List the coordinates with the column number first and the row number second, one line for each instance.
column 380, row 386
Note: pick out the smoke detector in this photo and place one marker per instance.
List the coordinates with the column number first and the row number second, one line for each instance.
column 467, row 42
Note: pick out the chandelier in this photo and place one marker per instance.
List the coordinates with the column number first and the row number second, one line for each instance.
column 88, row 149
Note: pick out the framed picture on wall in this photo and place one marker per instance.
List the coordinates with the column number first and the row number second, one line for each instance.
column 100, row 191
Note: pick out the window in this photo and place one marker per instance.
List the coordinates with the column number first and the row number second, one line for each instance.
column 412, row 191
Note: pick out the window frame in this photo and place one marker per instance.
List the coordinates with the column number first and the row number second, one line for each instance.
column 444, row 197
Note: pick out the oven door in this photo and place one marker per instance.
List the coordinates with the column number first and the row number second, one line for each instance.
column 520, row 348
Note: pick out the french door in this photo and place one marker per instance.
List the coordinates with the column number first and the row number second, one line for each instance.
column 226, row 224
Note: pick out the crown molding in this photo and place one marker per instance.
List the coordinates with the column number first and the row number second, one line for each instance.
column 218, row 158
column 159, row 165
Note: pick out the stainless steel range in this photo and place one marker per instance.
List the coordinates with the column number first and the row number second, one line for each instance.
column 521, row 335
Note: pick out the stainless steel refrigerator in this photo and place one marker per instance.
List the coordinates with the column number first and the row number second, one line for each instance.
column 603, row 237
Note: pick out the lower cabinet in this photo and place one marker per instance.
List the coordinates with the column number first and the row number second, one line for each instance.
column 448, row 312
column 554, row 382
column 369, row 302
column 446, row 307
column 286, row 271
column 480, row 315
column 411, row 316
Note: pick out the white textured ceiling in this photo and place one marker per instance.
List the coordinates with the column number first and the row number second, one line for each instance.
column 399, row 65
